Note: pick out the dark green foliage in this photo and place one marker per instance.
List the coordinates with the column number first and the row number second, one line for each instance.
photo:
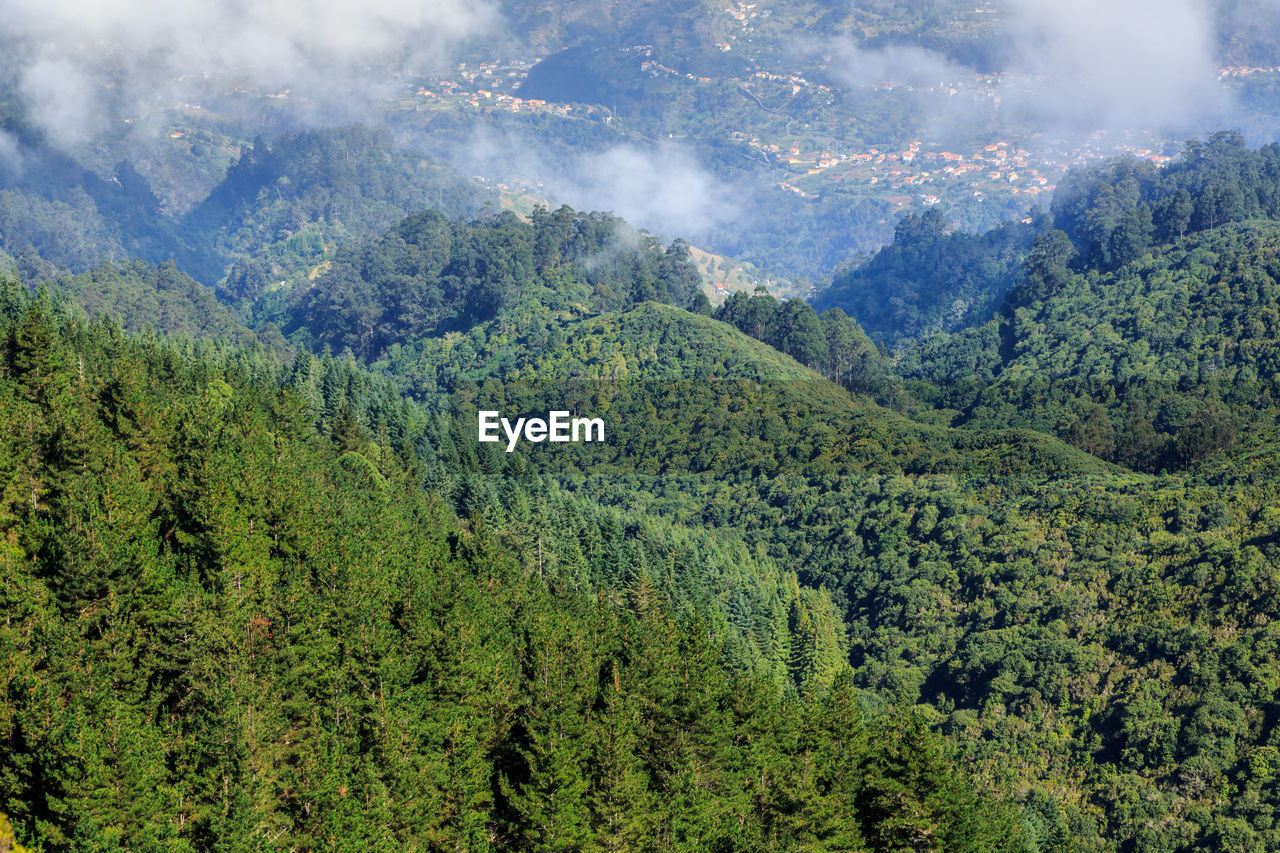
column 431, row 274
column 280, row 210
column 162, row 298
column 1159, row 365
column 253, row 602
column 287, row 205
column 1047, row 269
column 225, row 629
column 832, row 344
column 931, row 278
column 1112, row 213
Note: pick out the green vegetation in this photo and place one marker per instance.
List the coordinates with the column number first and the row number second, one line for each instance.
column 282, row 208
column 1081, row 629
column 1142, row 331
column 931, row 279
column 1011, row 587
column 229, row 624
column 142, row 296
column 56, row 214
column 430, row 275
column 831, row 344
column 7, row 842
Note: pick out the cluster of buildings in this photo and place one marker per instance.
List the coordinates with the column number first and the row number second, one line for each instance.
column 795, row 81
column 921, row 171
column 656, row 69
column 746, row 15
column 1232, row 71
column 482, row 88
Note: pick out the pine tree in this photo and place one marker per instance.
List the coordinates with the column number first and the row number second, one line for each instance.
column 804, row 640
column 552, row 795
column 620, row 800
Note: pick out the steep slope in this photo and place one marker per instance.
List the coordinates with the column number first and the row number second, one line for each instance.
column 55, row 211
column 160, row 298
column 931, row 279
column 1158, row 364
column 285, row 205
column 431, row 275
column 224, row 628
column 1026, row 595
column 688, row 393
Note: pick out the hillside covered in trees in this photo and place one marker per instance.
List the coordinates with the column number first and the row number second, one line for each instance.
column 235, row 619
column 933, row 279
column 1010, row 585
column 280, row 209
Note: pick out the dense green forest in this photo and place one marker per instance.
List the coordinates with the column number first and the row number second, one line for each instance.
column 429, row 275
column 832, row 344
column 1009, row 586
column 234, row 618
column 1023, row 593
column 931, row 278
column 141, row 295
column 1138, row 325
column 280, row 210
column 284, row 206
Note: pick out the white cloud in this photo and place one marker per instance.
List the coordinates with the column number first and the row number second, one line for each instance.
column 10, row 153
column 79, row 59
column 1116, row 63
column 903, row 64
column 662, row 189
column 1080, row 66
column 61, row 98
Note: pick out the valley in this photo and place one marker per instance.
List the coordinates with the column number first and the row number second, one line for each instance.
column 929, row 501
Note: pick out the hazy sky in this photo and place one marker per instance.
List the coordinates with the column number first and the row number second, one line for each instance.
column 79, row 61
column 1079, row 66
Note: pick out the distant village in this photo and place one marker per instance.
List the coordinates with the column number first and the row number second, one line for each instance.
column 1028, row 167
column 920, row 173
column 486, row 85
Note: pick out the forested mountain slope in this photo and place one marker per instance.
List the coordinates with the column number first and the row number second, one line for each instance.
column 281, row 209
column 305, row 574
column 1025, row 593
column 55, row 211
column 430, row 275
column 284, row 206
column 832, row 344
column 932, row 279
column 161, row 298
column 226, row 627
column 1158, row 364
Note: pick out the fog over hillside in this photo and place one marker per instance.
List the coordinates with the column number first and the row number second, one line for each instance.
column 80, row 66
column 1071, row 68
column 1066, row 71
